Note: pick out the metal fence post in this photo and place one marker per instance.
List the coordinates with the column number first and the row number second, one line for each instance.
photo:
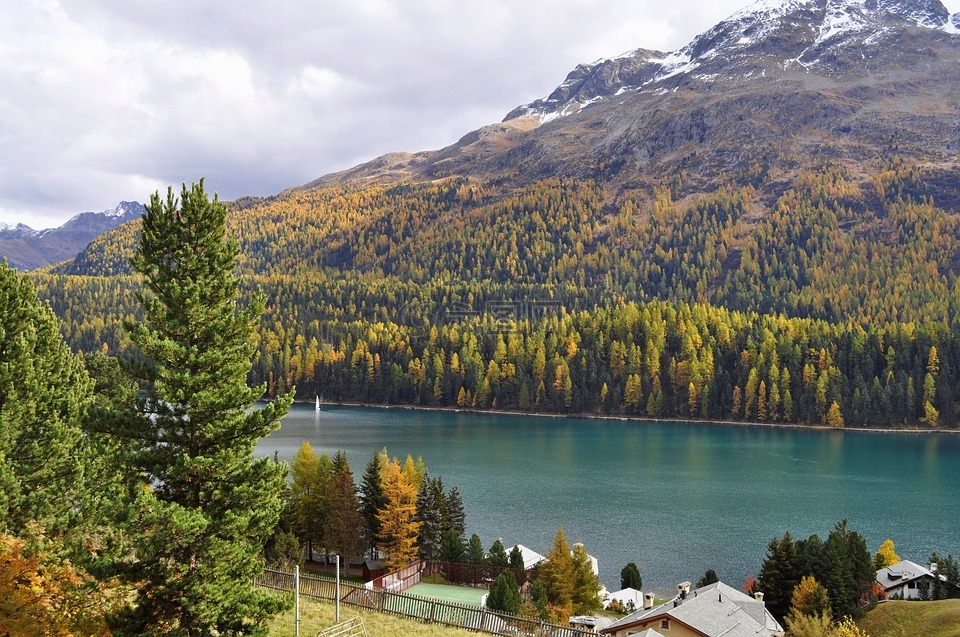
column 296, row 603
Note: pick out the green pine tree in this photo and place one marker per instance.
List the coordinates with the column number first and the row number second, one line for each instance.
column 778, row 575
column 515, row 559
column 201, row 528
column 475, row 552
column 343, row 529
column 372, row 499
column 505, row 594
column 430, row 517
column 498, row 555
column 709, row 577
column 456, row 517
column 451, row 547
column 630, row 577
column 56, row 479
column 40, row 425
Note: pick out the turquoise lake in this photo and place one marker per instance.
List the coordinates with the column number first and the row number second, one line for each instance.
column 675, row 498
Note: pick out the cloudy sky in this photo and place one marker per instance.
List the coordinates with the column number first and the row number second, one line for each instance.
column 109, row 100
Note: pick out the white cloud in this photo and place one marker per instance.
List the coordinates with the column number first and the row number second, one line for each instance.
column 111, row 99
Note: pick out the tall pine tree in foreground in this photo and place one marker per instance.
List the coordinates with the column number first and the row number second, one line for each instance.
column 210, row 505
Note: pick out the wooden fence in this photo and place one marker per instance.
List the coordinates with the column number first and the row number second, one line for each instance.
column 474, row 575
column 413, row 607
column 401, row 579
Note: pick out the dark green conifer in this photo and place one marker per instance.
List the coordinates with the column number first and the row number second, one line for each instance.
column 498, row 555
column 475, row 552
column 372, row 500
column 431, row 522
column 202, row 524
column 630, row 577
column 343, row 529
column 779, row 575
column 505, row 594
column 451, row 547
column 709, row 577
column 456, row 517
column 44, row 389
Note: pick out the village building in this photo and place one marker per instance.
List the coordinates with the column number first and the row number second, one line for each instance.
column 904, row 580
column 629, row 598
column 530, row 557
column 716, row 610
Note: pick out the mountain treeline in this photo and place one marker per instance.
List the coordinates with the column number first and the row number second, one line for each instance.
column 759, row 301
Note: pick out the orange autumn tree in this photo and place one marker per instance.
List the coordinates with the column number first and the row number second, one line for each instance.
column 398, row 526
column 40, row 595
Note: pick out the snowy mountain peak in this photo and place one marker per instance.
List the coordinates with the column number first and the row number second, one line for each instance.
column 768, row 38
column 928, row 13
column 18, row 231
column 125, row 209
column 26, row 248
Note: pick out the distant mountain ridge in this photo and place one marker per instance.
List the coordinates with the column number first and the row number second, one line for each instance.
column 802, row 33
column 782, row 83
column 28, row 249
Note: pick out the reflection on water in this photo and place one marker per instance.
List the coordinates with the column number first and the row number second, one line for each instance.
column 676, row 499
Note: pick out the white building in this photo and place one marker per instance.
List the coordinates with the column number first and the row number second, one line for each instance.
column 903, row 579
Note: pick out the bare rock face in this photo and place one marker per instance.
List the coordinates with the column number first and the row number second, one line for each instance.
column 780, row 81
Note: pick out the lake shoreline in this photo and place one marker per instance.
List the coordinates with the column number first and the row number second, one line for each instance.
column 679, row 421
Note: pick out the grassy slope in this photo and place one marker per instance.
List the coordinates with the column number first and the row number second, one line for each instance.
column 315, row 616
column 914, row 619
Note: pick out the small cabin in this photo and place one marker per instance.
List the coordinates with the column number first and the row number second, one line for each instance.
column 372, row 569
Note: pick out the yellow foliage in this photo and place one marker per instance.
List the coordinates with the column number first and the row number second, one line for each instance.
column 398, row 527
column 810, row 598
column 41, row 595
column 886, row 555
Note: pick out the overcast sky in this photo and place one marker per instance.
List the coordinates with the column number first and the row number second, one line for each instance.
column 109, row 100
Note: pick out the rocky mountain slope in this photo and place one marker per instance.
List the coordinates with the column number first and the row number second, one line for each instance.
column 779, row 84
column 28, row 249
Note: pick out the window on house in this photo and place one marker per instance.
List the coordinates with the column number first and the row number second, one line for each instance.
column 665, row 624
column 911, row 585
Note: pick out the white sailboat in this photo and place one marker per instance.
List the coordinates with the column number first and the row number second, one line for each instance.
column 318, row 403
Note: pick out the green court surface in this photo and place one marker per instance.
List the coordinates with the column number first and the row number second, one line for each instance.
column 452, row 594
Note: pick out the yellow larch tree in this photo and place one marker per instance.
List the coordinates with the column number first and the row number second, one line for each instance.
column 886, row 556
column 398, row 526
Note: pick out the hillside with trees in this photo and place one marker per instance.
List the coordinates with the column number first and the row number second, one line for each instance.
column 829, row 300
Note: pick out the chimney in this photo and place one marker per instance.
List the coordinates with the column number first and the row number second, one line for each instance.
column 682, row 589
column 647, row 601
column 933, row 567
column 758, row 596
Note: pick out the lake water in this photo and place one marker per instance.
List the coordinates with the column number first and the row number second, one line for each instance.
column 675, row 498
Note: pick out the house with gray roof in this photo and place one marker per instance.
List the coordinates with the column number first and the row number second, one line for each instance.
column 710, row 611
column 903, row 579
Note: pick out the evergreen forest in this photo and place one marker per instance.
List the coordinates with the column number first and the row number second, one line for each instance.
column 820, row 297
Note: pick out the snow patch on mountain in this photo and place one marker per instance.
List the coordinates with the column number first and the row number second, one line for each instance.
column 125, row 209
column 810, row 28
column 841, row 20
column 18, row 231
